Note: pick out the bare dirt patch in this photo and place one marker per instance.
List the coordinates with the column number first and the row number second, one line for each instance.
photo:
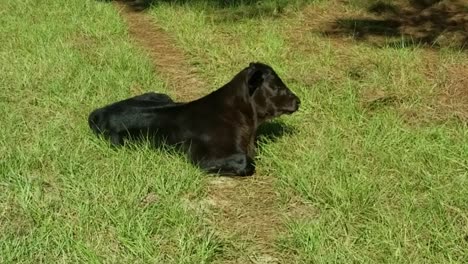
column 170, row 62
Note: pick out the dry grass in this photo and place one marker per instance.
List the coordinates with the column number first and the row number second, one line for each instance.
column 247, row 212
column 452, row 98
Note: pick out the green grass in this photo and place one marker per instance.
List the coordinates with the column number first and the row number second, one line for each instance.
column 383, row 190
column 380, row 186
column 65, row 196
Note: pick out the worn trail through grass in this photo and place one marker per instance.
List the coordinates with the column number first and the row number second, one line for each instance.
column 244, row 212
column 169, row 61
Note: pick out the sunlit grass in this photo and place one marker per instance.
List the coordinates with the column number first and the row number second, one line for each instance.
column 66, row 196
column 381, row 189
column 380, row 186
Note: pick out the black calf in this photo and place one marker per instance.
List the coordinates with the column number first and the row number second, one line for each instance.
column 216, row 131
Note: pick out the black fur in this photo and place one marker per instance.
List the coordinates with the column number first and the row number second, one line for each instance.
column 217, row 131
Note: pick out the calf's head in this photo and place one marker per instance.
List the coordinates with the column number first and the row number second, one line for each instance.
column 271, row 97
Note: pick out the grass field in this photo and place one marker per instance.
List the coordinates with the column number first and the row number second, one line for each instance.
column 375, row 162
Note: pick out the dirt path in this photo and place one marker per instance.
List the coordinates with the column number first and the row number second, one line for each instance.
column 244, row 212
column 170, row 62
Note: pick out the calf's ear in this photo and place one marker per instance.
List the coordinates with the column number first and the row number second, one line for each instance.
column 255, row 80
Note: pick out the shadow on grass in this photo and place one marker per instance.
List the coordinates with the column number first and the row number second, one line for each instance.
column 434, row 23
column 226, row 10
column 273, row 130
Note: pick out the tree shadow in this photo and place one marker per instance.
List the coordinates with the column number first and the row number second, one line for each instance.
column 226, row 10
column 434, row 23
